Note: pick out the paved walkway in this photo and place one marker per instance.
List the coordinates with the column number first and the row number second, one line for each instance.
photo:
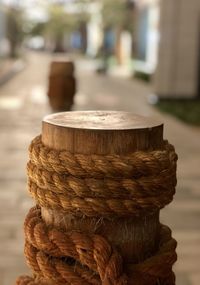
column 23, row 103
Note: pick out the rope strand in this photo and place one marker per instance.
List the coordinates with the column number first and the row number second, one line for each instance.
column 137, row 164
column 107, row 186
column 49, row 252
column 74, row 183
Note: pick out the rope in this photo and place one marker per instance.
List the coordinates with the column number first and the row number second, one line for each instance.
column 27, row 280
column 137, row 184
column 67, row 182
column 136, row 164
column 78, row 258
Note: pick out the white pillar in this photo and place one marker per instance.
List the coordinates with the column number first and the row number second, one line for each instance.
column 178, row 61
column 94, row 30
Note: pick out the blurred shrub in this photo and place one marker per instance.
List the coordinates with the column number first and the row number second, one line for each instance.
column 142, row 75
column 14, row 29
column 186, row 110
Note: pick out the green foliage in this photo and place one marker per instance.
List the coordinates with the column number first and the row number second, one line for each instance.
column 83, row 15
column 117, row 13
column 59, row 21
column 112, row 12
column 14, row 29
column 14, row 24
column 186, row 110
column 142, row 76
column 34, row 28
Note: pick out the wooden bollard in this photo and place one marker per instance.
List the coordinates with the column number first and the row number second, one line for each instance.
column 99, row 180
column 106, row 133
column 62, row 85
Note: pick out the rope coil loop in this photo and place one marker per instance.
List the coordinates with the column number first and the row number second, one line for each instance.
column 75, row 183
column 78, row 258
column 27, row 280
column 137, row 164
column 108, row 186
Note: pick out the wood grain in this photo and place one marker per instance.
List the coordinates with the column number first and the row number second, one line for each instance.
column 106, row 132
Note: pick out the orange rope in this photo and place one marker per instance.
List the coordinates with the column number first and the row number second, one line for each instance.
column 27, row 280
column 78, row 258
column 96, row 186
column 54, row 185
column 133, row 165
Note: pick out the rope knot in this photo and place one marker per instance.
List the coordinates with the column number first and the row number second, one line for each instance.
column 78, row 258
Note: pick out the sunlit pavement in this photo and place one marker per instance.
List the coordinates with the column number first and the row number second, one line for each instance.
column 23, row 103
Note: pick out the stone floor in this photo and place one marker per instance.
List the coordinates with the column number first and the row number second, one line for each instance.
column 23, row 104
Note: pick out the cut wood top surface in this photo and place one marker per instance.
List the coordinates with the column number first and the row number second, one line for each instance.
column 101, row 132
column 101, row 120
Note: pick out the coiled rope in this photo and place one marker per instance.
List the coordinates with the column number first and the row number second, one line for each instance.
column 96, row 186
column 102, row 185
column 51, row 253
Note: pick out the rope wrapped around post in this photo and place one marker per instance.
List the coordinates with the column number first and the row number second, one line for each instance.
column 123, row 186
column 106, row 186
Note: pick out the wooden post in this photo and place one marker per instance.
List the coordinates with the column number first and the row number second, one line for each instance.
column 101, row 132
column 62, row 85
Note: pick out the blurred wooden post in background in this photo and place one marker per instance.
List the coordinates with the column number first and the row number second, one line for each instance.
column 62, row 85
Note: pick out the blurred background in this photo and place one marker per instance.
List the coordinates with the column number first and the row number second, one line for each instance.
column 141, row 56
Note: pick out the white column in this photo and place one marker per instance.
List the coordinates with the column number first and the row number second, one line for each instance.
column 178, row 60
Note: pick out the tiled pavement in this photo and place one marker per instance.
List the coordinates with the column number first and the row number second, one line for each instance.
column 23, row 104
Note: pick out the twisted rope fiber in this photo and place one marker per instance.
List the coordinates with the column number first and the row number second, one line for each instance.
column 63, row 183
column 92, row 187
column 96, row 186
column 95, row 207
column 27, row 280
column 132, row 165
column 48, row 250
